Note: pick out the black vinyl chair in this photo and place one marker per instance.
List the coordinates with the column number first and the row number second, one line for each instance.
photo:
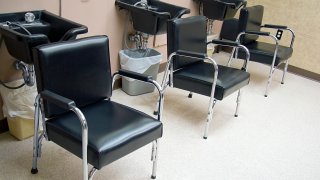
column 189, row 68
column 74, row 104
column 247, row 30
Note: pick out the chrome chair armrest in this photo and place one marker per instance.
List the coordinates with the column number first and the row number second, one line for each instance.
column 274, row 26
column 233, row 44
column 58, row 100
column 194, row 55
column 281, row 27
column 68, row 104
column 144, row 78
column 266, row 34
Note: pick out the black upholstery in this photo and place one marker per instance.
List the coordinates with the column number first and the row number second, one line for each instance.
column 248, row 27
column 251, row 20
column 189, row 35
column 80, row 70
column 187, row 50
column 114, row 131
column 198, row 78
column 77, row 72
column 263, row 53
column 195, row 75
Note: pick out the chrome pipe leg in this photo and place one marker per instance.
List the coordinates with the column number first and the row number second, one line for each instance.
column 231, row 57
column 36, row 138
column 209, row 26
column 37, row 153
column 84, row 128
column 209, row 119
column 154, row 158
column 190, row 94
column 238, row 103
column 159, row 106
column 91, row 173
column 155, row 112
column 164, row 85
column 269, row 81
column 285, row 69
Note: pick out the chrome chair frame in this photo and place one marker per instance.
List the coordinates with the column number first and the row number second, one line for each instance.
column 39, row 114
column 276, row 40
column 168, row 76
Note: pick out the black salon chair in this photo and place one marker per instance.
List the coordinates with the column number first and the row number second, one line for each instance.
column 247, row 29
column 189, row 68
column 74, row 104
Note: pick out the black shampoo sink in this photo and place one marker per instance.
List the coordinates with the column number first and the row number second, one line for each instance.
column 221, row 9
column 151, row 17
column 21, row 34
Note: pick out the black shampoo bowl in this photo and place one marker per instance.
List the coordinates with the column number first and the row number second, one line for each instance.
column 21, row 36
column 151, row 17
column 221, row 9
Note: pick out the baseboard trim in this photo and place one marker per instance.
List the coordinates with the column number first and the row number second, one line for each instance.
column 4, row 125
column 291, row 69
column 302, row 72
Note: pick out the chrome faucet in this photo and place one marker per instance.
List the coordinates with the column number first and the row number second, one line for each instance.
column 143, row 3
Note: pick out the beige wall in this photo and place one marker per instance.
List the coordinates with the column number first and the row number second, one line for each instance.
column 23, row 5
column 303, row 18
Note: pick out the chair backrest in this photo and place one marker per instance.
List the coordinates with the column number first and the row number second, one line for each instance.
column 187, row 34
column 77, row 69
column 250, row 19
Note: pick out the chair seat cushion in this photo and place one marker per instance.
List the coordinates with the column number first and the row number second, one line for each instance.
column 263, row 53
column 114, row 130
column 198, row 78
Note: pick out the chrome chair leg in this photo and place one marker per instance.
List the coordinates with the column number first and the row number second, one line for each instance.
column 37, row 139
column 209, row 119
column 91, row 173
column 154, row 158
column 269, row 80
column 167, row 79
column 36, row 152
column 231, row 57
column 285, row 69
column 238, row 103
